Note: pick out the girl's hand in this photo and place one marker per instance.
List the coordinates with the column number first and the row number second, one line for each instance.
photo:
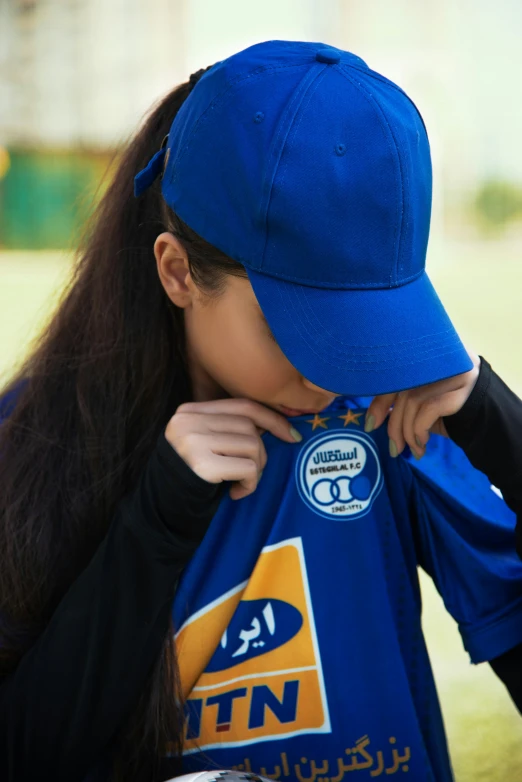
column 419, row 411
column 221, row 440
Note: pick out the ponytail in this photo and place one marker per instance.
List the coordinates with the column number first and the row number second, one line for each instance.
column 104, row 377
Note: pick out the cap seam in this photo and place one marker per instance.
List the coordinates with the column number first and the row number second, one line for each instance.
column 394, row 147
column 313, row 330
column 234, row 83
column 388, row 83
column 313, row 76
column 321, row 284
column 381, row 362
column 407, row 342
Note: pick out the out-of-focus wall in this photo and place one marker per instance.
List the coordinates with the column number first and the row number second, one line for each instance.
column 78, row 75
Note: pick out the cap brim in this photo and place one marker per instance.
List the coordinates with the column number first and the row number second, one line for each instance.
column 363, row 342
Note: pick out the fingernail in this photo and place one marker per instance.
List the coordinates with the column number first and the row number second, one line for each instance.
column 296, row 435
column 415, row 455
column 260, row 476
column 420, row 445
column 393, row 449
column 369, row 424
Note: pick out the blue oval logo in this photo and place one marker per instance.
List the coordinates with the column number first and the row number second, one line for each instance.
column 257, row 627
column 339, row 474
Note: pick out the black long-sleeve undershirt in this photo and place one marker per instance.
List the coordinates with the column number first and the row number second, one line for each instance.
column 488, row 428
column 62, row 705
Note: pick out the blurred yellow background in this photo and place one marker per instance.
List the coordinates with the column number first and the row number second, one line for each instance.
column 76, row 77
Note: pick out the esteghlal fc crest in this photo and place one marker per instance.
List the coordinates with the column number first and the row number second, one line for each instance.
column 339, row 475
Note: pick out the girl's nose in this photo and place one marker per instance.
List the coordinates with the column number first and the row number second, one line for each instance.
column 308, row 384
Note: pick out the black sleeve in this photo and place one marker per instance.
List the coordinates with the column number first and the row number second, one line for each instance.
column 72, row 689
column 488, row 428
column 508, row 668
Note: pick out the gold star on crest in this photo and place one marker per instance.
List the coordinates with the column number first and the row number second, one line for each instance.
column 350, row 418
column 317, row 421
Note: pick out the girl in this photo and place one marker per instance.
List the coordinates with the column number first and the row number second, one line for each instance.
column 279, row 267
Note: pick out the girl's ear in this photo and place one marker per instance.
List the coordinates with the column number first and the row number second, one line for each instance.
column 173, row 269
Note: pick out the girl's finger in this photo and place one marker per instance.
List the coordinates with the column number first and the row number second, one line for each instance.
column 237, row 492
column 408, row 425
column 233, row 424
column 431, row 410
column 427, row 416
column 395, row 424
column 244, row 472
column 242, row 445
column 377, row 411
column 262, row 416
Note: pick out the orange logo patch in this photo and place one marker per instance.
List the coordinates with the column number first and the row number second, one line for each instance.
column 249, row 661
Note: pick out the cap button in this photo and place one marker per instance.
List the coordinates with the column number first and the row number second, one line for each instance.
column 330, row 56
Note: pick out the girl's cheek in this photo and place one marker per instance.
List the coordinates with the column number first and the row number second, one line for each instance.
column 234, row 350
column 253, row 370
column 255, row 373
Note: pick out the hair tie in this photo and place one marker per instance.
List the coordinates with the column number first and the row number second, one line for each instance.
column 155, row 167
column 195, row 77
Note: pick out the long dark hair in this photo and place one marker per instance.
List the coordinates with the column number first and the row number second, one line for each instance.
column 101, row 381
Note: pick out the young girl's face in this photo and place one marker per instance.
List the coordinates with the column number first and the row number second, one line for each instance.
column 230, row 347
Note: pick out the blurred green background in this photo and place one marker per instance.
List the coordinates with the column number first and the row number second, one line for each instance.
column 76, row 77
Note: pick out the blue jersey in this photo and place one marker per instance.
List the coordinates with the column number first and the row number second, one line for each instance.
column 299, row 617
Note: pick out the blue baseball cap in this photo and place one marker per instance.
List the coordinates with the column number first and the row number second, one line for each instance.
column 314, row 172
